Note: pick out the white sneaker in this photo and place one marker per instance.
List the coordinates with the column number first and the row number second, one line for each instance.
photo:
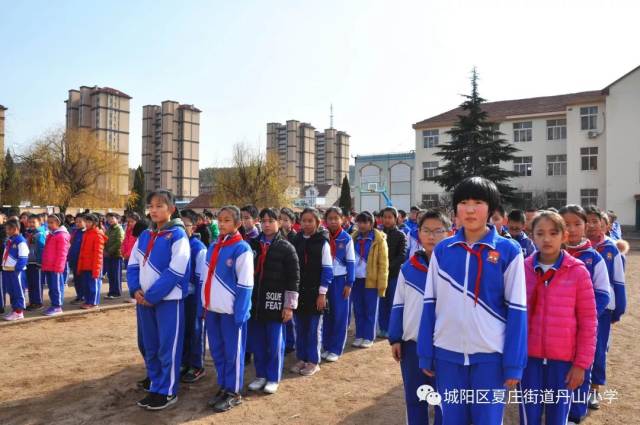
column 332, row 357
column 571, row 423
column 271, row 387
column 296, row 368
column 13, row 316
column 324, row 354
column 357, row 342
column 366, row 344
column 257, row 384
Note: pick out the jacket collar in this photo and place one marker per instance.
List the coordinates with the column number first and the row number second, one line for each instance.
column 490, row 239
column 556, row 266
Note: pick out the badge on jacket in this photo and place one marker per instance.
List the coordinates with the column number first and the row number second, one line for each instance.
column 229, row 262
column 493, row 256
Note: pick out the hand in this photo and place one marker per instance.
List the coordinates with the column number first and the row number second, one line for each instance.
column 396, row 351
column 511, row 383
column 287, row 314
column 321, row 302
column 429, row 373
column 574, row 378
column 346, row 292
column 139, row 296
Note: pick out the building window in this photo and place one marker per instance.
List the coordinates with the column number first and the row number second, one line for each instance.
column 522, row 131
column 430, row 200
column 556, row 199
column 588, row 197
column 589, row 158
column 430, row 169
column 556, row 165
column 522, row 165
column 523, row 199
column 589, row 118
column 430, row 138
column 557, row 129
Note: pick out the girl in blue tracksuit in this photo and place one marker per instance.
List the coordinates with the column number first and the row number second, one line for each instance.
column 227, row 279
column 36, row 235
column 14, row 262
column 596, row 232
column 158, row 277
column 473, row 328
column 336, row 320
column 581, row 248
column 405, row 317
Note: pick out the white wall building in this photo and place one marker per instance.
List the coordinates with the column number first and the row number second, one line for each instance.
column 580, row 148
column 392, row 172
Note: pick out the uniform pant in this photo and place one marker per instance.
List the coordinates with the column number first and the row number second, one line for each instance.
column 55, row 282
column 365, row 309
column 77, row 280
column 140, row 329
column 579, row 406
column 540, row 377
column 227, row 343
column 34, row 283
column 194, row 337
column 3, row 294
column 163, row 334
column 91, row 287
column 336, row 320
column 290, row 334
column 412, row 377
column 266, row 342
column 386, row 303
column 470, row 381
column 113, row 268
column 308, row 337
column 12, row 282
column 599, row 370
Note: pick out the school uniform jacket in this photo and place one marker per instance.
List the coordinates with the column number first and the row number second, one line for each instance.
column 408, row 300
column 197, row 258
column 36, row 239
column 464, row 328
column 76, row 242
column 615, row 268
column 344, row 261
column 159, row 264
column 597, row 268
column 526, row 244
column 15, row 254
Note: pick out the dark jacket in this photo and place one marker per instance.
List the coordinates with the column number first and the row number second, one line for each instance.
column 309, row 252
column 291, row 236
column 276, row 286
column 205, row 234
column 397, row 243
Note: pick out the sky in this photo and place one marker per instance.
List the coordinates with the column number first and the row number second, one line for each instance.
column 384, row 65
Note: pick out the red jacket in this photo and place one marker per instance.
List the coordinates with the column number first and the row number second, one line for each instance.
column 91, row 252
column 562, row 315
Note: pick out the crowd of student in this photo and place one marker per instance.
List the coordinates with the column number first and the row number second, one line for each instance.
column 491, row 303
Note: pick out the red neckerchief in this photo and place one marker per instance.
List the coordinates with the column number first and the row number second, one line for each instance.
column 6, row 251
column 546, row 277
column 152, row 241
column 575, row 251
column 332, row 241
column 415, row 262
column 213, row 262
column 264, row 248
column 478, row 255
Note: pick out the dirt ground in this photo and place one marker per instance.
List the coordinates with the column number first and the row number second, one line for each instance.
column 82, row 368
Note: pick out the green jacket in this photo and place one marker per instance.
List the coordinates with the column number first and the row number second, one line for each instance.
column 214, row 231
column 115, row 236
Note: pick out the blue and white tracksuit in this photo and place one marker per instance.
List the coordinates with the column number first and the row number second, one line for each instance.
column 404, row 324
column 526, row 244
column 72, row 258
column 365, row 301
column 336, row 320
column 614, row 310
column 194, row 333
column 473, row 329
column 616, row 231
column 228, row 311
column 14, row 262
column 36, row 239
column 159, row 266
column 414, row 242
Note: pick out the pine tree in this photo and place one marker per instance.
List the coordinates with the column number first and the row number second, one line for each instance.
column 476, row 148
column 345, row 196
column 138, row 189
column 10, row 187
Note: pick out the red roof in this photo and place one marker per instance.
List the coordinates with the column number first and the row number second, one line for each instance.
column 204, row 201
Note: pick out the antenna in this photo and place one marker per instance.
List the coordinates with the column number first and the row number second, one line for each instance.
column 331, row 117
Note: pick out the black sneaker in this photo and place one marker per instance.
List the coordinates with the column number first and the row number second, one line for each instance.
column 183, row 369
column 247, row 358
column 228, row 402
column 144, row 403
column 216, row 398
column 161, row 401
column 144, row 384
column 34, row 307
column 192, row 375
column 288, row 350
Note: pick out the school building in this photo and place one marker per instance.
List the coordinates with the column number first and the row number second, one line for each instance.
column 580, row 148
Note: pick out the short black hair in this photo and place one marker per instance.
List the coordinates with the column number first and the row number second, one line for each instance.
column 391, row 210
column 208, row 214
column 575, row 210
column 270, row 212
column 289, row 213
column 91, row 217
column 364, row 217
column 402, row 213
column 312, row 211
column 190, row 215
column 434, row 214
column 251, row 209
column 477, row 188
column 112, row 214
column 12, row 223
column 164, row 194
column 593, row 210
column 414, row 208
column 500, row 210
column 34, row 217
column 517, row 215
column 330, row 210
column 233, row 210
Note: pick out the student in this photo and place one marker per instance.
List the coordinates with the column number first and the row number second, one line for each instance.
column 35, row 235
column 413, row 238
column 515, row 225
column 192, row 368
column 372, row 272
column 90, row 262
column 562, row 323
column 113, row 255
column 397, row 253
column 499, row 221
column 406, row 312
column 3, row 240
column 129, row 239
column 249, row 221
column 615, row 231
column 54, row 260
column 606, row 247
column 204, row 230
column 226, row 297
column 316, row 274
column 74, row 255
column 14, row 262
column 287, row 219
column 473, row 329
column 275, row 296
column 210, row 221
column 402, row 225
column 529, row 214
column 412, row 223
column 336, row 319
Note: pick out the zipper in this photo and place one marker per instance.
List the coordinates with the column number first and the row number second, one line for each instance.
column 464, row 312
column 544, row 324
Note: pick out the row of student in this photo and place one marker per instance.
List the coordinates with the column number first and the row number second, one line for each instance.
column 471, row 314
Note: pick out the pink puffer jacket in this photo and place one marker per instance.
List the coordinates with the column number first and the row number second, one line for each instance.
column 562, row 315
column 56, row 248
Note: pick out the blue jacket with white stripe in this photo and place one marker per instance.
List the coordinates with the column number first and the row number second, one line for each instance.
column 597, row 268
column 17, row 254
column 344, row 262
column 408, row 300
column 615, row 267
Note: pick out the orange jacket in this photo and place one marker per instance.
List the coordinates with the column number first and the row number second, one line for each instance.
column 91, row 252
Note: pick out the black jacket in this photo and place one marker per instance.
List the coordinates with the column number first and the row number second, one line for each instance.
column 310, row 258
column 281, row 274
column 397, row 243
column 205, row 234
